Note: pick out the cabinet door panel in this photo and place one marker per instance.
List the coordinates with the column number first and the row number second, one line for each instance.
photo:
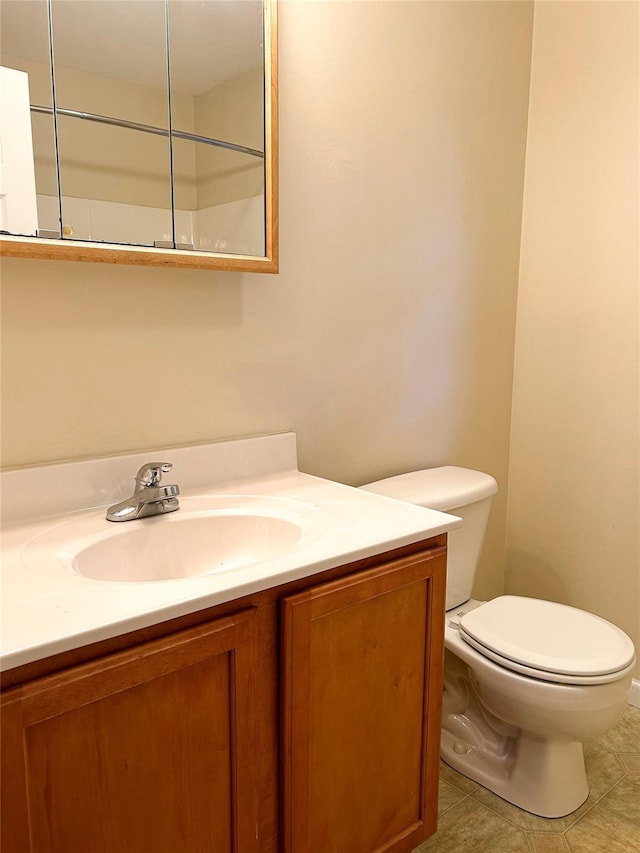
column 152, row 749
column 362, row 684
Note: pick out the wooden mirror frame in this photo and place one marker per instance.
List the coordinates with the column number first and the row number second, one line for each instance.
column 79, row 250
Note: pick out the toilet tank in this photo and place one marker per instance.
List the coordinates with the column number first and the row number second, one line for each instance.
column 461, row 492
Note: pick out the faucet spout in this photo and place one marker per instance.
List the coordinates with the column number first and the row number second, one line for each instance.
column 149, row 497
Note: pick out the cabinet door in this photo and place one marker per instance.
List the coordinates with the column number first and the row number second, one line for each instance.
column 362, row 693
column 151, row 750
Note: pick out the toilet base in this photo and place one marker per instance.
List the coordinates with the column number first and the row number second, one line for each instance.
column 546, row 778
column 520, row 737
column 540, row 774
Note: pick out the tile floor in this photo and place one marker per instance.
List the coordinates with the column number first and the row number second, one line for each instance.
column 473, row 820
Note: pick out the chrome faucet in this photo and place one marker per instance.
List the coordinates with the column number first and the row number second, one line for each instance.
column 149, row 497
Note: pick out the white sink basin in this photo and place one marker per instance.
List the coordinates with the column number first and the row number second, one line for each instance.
column 207, row 535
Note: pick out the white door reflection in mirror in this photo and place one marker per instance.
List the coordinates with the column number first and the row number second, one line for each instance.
column 24, row 46
column 18, row 209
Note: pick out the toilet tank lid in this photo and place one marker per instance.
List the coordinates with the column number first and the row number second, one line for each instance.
column 444, row 488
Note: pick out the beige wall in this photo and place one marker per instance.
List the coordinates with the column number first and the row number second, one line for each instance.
column 386, row 342
column 573, row 524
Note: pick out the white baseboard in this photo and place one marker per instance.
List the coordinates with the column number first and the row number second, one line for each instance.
column 634, row 695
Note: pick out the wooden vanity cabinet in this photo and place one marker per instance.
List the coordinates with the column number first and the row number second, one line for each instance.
column 303, row 719
column 151, row 749
column 362, row 692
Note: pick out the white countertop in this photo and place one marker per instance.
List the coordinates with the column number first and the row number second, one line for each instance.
column 44, row 613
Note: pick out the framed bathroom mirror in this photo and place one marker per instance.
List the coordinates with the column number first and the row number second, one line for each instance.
column 140, row 132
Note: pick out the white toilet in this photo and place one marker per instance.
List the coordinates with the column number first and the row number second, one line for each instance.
column 526, row 681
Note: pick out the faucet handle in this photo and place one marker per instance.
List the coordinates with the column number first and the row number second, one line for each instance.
column 151, row 473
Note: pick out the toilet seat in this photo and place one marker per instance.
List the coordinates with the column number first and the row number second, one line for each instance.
column 548, row 641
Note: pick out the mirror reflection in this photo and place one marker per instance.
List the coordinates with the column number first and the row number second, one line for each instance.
column 159, row 120
column 26, row 137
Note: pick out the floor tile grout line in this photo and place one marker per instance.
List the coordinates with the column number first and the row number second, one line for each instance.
column 497, row 814
column 531, row 832
column 614, row 786
column 617, row 781
column 453, row 805
column 626, row 769
column 618, row 815
column 457, row 787
column 575, row 822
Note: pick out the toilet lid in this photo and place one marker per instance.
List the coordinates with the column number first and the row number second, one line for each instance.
column 546, row 636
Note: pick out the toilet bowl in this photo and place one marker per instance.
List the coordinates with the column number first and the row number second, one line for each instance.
column 526, row 681
column 517, row 729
